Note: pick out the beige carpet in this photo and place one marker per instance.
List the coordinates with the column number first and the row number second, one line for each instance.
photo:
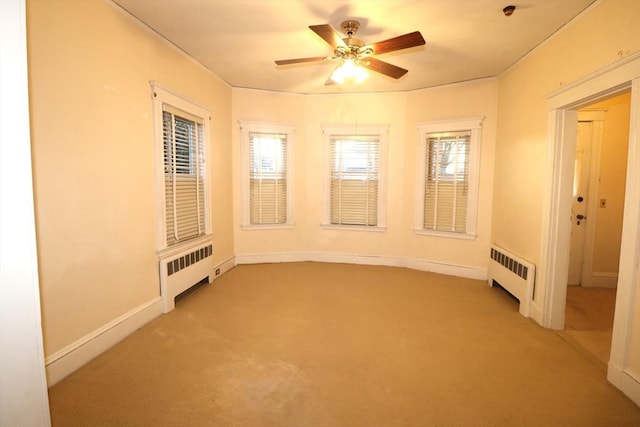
column 311, row 344
column 589, row 320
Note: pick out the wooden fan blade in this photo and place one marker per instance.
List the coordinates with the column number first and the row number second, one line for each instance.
column 401, row 42
column 328, row 34
column 384, row 68
column 301, row 60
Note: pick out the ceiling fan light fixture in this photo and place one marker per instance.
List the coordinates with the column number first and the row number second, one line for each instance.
column 348, row 71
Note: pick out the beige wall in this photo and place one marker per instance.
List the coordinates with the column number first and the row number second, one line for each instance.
column 611, row 185
column 402, row 112
column 89, row 70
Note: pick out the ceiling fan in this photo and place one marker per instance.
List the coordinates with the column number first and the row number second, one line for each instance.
column 353, row 54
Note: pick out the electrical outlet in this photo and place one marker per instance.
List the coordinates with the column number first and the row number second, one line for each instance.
column 217, row 271
column 603, row 203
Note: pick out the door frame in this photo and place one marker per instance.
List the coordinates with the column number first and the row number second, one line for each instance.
column 23, row 387
column 563, row 106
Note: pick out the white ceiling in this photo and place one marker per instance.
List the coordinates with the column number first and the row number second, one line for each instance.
column 240, row 39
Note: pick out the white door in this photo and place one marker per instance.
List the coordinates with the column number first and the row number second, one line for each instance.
column 579, row 202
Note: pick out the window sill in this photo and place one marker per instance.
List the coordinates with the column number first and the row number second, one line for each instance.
column 377, row 229
column 252, row 227
column 450, row 235
column 183, row 246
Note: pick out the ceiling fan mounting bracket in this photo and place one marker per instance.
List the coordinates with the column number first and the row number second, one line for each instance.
column 350, row 27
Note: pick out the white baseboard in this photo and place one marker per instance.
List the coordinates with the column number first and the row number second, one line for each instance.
column 469, row 272
column 224, row 266
column 600, row 280
column 628, row 382
column 535, row 312
column 75, row 355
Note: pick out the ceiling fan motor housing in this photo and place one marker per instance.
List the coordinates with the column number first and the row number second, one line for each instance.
column 353, row 49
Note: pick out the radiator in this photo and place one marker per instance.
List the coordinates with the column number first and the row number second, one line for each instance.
column 514, row 274
column 181, row 270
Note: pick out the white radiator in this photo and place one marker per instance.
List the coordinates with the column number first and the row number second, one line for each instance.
column 181, row 270
column 514, row 274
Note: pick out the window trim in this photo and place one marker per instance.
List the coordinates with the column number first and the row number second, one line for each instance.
column 473, row 124
column 162, row 96
column 246, row 128
column 382, row 132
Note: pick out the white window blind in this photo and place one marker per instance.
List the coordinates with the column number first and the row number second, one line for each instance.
column 446, row 181
column 448, row 178
column 267, row 178
column 184, row 184
column 354, row 175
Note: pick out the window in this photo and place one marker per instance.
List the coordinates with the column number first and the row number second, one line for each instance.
column 354, row 178
column 448, row 178
column 181, row 180
column 267, row 179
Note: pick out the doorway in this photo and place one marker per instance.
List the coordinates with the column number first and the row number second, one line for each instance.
column 598, row 191
column 563, row 106
column 596, row 222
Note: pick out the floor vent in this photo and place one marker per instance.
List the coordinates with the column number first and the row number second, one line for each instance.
column 513, row 273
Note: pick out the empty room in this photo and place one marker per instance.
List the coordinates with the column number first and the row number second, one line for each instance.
column 320, row 213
